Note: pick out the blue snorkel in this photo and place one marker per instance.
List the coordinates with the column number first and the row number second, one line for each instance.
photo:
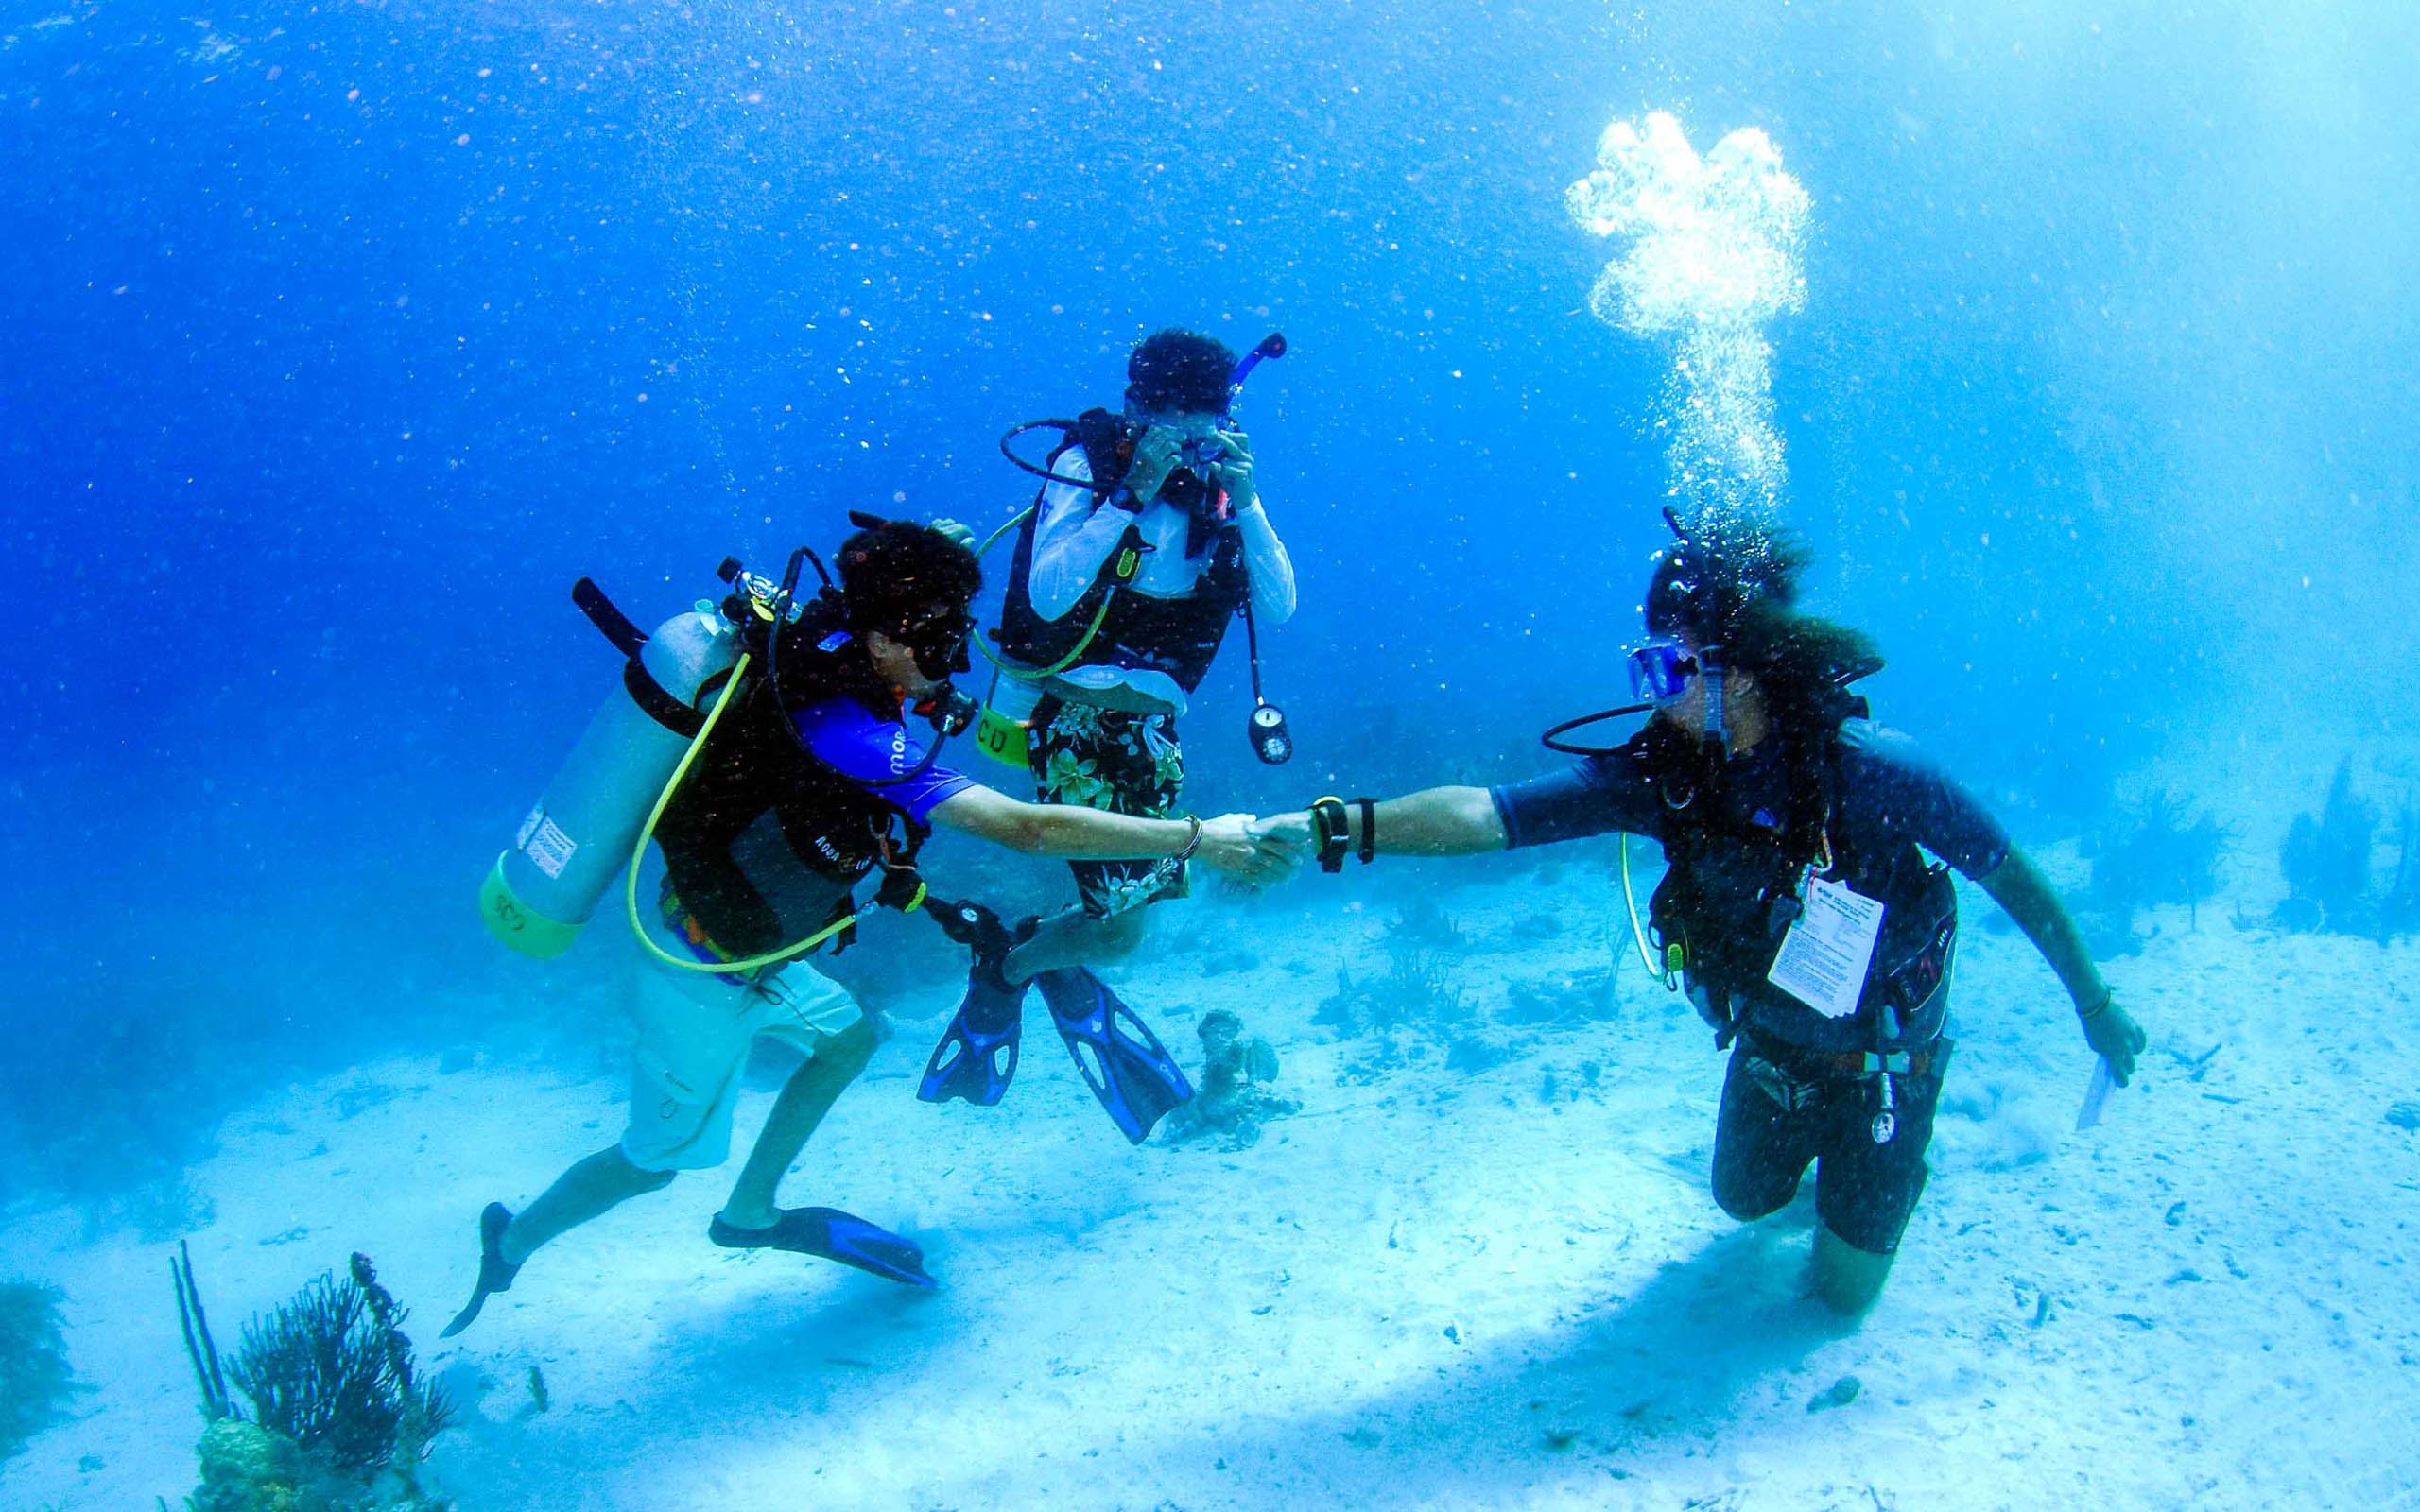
column 1271, row 345
column 1271, row 740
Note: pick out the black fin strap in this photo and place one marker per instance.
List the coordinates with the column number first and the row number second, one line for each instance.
column 658, row 704
column 1367, row 848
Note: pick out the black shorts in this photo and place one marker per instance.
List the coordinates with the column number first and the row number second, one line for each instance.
column 1778, row 1114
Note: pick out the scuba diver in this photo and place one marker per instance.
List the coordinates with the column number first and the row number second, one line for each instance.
column 1147, row 537
column 769, row 733
column 1797, row 909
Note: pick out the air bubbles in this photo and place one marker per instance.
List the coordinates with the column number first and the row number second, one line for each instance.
column 1710, row 257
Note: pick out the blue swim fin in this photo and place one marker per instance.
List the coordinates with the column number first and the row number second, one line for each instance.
column 1123, row 1062
column 832, row 1234
column 977, row 1053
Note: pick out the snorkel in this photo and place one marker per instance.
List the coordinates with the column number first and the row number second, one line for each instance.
column 1271, row 345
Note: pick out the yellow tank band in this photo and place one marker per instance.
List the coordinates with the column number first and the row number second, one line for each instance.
column 519, row 925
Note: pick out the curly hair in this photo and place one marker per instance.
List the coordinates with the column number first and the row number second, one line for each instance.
column 1735, row 584
column 1716, row 572
column 896, row 570
column 1180, row 369
column 1802, row 662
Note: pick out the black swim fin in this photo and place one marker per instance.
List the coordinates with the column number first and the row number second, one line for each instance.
column 977, row 1052
column 495, row 1275
column 1123, row 1062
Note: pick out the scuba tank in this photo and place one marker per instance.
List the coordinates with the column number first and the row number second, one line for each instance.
column 578, row 837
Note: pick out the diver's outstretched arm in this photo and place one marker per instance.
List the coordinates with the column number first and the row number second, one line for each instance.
column 1436, row 821
column 2018, row 885
column 1222, row 844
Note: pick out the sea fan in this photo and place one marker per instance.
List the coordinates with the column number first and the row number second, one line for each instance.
column 34, row 1378
column 331, row 1371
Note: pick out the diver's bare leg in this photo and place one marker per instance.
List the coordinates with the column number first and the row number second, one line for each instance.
column 805, row 1099
column 595, row 1185
column 1846, row 1277
column 1075, row 937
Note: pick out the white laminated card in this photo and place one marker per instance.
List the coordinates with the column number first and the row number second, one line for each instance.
column 1829, row 949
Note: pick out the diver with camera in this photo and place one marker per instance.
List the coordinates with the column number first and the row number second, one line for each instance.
column 1147, row 538
column 762, row 743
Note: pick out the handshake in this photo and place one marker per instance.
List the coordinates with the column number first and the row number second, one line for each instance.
column 1256, row 852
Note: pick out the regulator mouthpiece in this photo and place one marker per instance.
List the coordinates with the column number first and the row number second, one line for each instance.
column 952, row 712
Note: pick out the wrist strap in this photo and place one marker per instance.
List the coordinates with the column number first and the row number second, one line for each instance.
column 2108, row 996
column 1368, row 849
column 1327, row 818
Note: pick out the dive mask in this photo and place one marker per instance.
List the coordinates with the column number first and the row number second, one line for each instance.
column 1660, row 672
column 938, row 641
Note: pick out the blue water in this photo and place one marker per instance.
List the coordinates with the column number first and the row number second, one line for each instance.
column 336, row 341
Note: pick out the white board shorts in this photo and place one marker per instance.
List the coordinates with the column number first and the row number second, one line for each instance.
column 694, row 1031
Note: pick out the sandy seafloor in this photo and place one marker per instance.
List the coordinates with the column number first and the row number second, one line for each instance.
column 1431, row 1288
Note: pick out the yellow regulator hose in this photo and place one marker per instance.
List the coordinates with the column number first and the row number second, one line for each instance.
column 631, row 887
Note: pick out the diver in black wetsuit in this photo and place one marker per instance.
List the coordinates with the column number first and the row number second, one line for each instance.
column 1787, row 816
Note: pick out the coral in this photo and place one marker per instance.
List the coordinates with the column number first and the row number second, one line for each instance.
column 2399, row 910
column 108, row 1116
column 341, row 1419
column 2325, row 860
column 34, row 1378
column 1416, row 991
column 1568, row 996
column 199, row 1347
column 332, row 1371
column 1472, row 1054
column 247, row 1468
column 2161, row 854
column 1423, row 925
column 1235, row 1098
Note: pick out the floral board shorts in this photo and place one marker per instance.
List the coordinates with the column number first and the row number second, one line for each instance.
column 1119, row 763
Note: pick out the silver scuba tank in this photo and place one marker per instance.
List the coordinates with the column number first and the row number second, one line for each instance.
column 579, row 836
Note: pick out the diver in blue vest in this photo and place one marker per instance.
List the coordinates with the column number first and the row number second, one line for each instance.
column 1799, row 909
column 1148, row 538
column 769, row 733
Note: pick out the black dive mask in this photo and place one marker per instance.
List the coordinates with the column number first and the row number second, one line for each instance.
column 937, row 642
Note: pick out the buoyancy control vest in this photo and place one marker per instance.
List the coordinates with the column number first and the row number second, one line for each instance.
column 1733, row 890
column 759, row 823
column 1177, row 636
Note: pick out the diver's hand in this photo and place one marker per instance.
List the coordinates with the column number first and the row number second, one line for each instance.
column 1291, row 832
column 2116, row 1037
column 1230, row 847
column 1234, row 471
column 1156, row 455
column 963, row 534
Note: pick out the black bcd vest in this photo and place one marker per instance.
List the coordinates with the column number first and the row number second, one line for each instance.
column 1730, row 895
column 752, row 766
column 1178, row 636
